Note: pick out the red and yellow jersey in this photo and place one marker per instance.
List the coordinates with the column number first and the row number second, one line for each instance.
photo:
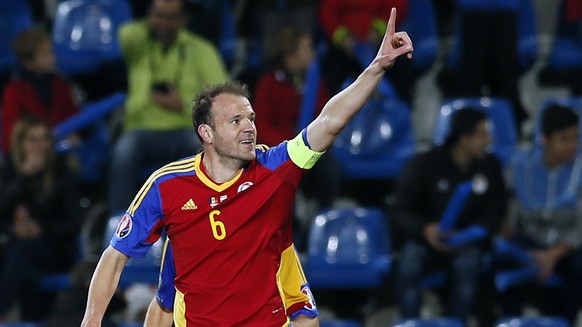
column 230, row 240
column 294, row 285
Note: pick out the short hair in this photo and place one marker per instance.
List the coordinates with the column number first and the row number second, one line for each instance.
column 463, row 122
column 203, row 102
column 27, row 43
column 558, row 117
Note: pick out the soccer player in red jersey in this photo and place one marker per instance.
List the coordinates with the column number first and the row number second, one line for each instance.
column 227, row 210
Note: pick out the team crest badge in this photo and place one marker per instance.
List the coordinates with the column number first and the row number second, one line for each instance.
column 124, row 226
column 244, row 186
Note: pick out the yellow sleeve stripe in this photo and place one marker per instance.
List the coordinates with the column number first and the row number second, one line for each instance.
column 174, row 167
column 262, row 147
column 164, row 251
column 301, row 155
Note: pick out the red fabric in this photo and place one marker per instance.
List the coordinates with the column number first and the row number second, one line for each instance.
column 573, row 10
column 277, row 104
column 228, row 250
column 357, row 15
column 20, row 100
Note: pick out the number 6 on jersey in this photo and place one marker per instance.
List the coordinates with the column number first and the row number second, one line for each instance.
column 217, row 226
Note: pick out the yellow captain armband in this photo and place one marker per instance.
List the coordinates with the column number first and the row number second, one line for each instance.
column 300, row 153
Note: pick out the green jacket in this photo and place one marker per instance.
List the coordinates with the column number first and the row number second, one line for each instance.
column 190, row 63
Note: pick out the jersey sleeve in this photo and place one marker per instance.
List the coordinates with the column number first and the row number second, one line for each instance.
column 297, row 295
column 142, row 224
column 166, row 291
column 300, row 152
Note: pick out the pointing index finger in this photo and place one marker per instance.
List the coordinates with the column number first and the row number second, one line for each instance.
column 392, row 22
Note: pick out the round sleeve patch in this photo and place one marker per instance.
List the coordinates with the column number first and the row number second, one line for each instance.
column 124, row 226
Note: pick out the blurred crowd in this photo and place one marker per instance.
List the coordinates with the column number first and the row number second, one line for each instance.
column 59, row 190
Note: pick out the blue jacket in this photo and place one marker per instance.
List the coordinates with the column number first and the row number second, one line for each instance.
column 548, row 200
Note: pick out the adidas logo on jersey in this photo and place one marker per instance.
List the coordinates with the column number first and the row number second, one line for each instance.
column 190, row 205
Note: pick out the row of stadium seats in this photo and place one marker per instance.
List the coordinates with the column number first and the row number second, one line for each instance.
column 85, row 34
column 349, row 248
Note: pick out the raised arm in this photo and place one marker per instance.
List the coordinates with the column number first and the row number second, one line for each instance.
column 343, row 106
column 103, row 286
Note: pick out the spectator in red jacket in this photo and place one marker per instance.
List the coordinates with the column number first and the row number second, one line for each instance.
column 35, row 90
column 284, row 85
column 280, row 106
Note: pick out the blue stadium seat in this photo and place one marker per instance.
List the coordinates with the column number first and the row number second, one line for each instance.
column 500, row 113
column 85, row 33
column 348, row 248
column 15, row 16
column 566, row 51
column 55, row 282
column 420, row 23
column 430, row 322
column 378, row 141
column 527, row 38
column 528, row 272
column 339, row 323
column 227, row 42
column 93, row 151
column 137, row 270
column 532, row 322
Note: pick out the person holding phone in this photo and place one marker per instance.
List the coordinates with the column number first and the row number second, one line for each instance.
column 166, row 65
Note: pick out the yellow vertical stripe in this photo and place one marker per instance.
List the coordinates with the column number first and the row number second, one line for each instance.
column 179, row 310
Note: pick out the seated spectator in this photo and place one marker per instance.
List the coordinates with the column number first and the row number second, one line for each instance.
column 35, row 90
column 547, row 223
column 39, row 211
column 166, row 66
column 280, row 105
column 423, row 195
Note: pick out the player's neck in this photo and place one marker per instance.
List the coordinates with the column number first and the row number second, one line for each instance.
column 219, row 168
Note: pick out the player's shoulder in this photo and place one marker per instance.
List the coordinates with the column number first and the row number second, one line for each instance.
column 272, row 157
column 261, row 148
column 180, row 167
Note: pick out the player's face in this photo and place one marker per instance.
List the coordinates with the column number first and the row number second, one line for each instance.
column 234, row 131
column 478, row 142
column 561, row 146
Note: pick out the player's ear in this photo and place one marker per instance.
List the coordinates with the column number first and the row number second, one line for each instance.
column 205, row 132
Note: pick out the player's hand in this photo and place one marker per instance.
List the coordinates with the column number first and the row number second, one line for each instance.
column 394, row 44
